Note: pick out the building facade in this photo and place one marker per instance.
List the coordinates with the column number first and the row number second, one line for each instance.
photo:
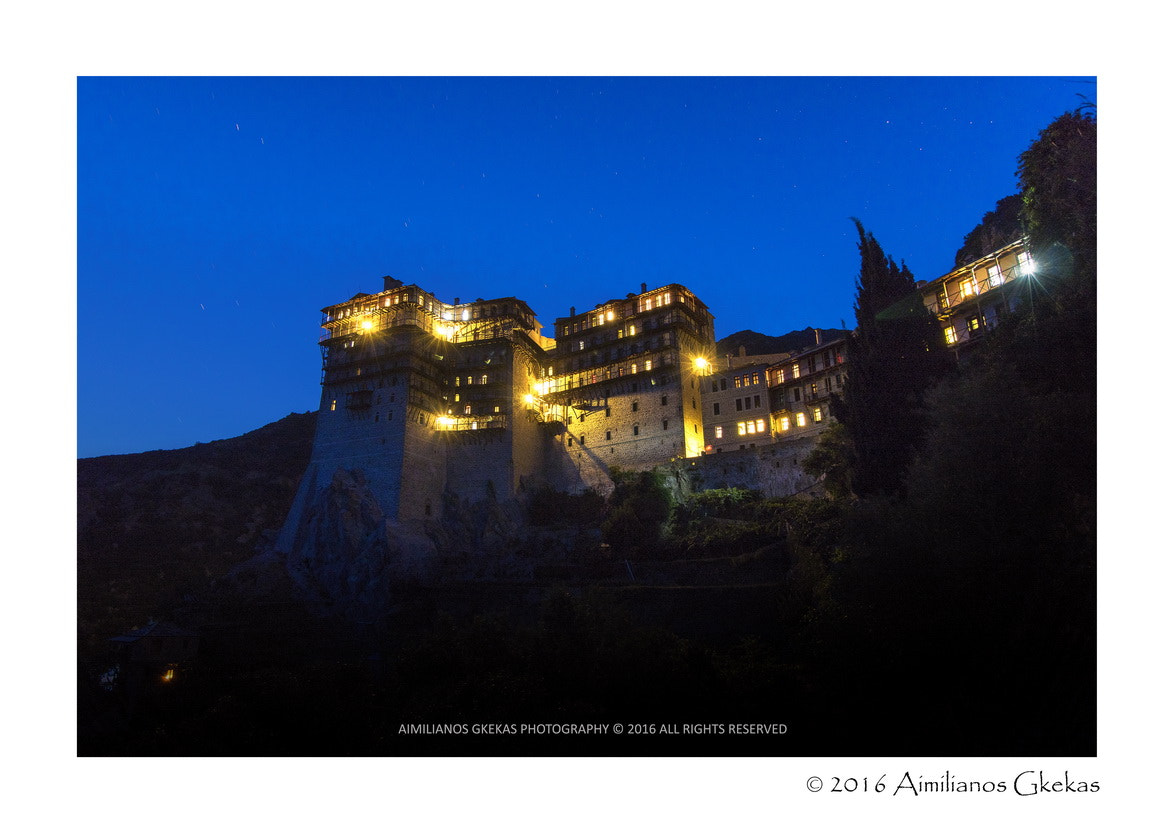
column 801, row 388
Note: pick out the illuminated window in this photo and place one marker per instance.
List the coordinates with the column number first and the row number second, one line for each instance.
column 468, row 409
column 741, row 428
column 800, row 419
column 761, row 424
column 755, row 379
column 817, row 415
column 718, row 432
column 995, row 273
column 484, row 379
column 973, row 324
column 333, row 405
column 967, row 288
column 794, row 371
column 496, row 409
column 950, row 335
column 1025, row 264
column 785, row 424
column 736, row 382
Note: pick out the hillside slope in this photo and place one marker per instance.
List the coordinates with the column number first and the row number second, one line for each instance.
column 158, row 525
column 758, row 343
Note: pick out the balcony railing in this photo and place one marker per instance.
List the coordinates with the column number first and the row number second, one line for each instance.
column 970, row 289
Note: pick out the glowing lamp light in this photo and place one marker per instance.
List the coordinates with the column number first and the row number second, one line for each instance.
column 368, row 325
column 529, row 399
column 701, row 364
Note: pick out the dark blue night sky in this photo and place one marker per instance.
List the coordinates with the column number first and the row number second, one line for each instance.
column 217, row 216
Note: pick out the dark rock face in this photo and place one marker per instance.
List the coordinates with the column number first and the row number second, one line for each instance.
column 350, row 557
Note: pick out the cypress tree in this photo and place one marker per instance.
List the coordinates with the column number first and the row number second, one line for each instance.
column 894, row 355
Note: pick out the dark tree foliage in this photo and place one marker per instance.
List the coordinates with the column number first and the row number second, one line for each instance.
column 831, row 459
column 998, row 228
column 1057, row 175
column 895, row 354
column 638, row 509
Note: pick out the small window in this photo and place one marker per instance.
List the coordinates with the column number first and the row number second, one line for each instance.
column 785, row 424
column 950, row 335
column 817, row 415
column 716, row 409
column 608, row 434
column 664, row 400
column 582, row 439
column 800, row 419
column 635, row 429
column 718, row 432
column 665, row 425
column 635, row 405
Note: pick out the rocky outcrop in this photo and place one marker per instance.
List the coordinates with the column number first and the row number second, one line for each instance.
column 350, row 557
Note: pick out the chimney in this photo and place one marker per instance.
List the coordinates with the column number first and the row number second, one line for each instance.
column 643, row 287
column 741, row 350
column 572, row 312
column 456, row 300
column 818, row 337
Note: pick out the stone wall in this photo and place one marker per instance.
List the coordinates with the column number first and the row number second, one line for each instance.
column 774, row 469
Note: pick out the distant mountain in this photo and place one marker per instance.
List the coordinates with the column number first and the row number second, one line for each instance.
column 758, row 343
column 158, row 525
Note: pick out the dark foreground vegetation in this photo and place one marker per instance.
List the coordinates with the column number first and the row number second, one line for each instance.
column 940, row 601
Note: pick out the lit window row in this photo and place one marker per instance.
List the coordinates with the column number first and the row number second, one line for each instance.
column 751, row 426
column 746, row 380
